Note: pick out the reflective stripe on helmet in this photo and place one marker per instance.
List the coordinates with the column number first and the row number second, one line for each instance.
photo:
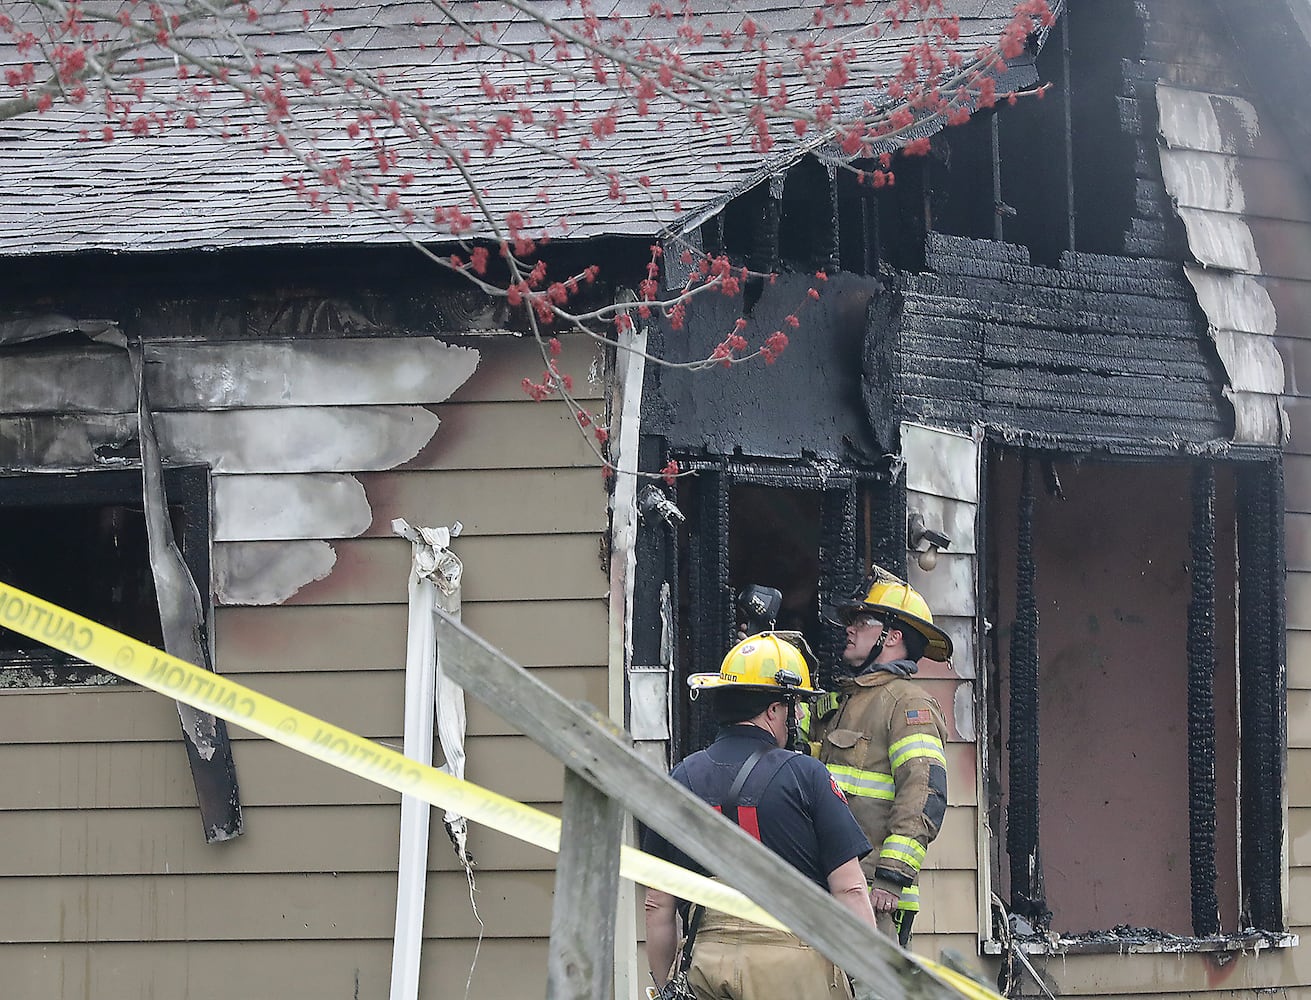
column 867, row 784
column 916, row 745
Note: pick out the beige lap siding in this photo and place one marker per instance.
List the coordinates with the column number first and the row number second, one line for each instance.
column 96, row 802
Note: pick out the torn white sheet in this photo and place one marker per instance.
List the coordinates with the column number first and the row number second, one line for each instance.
column 430, row 696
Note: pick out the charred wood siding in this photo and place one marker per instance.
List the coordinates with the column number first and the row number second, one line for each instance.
column 1102, row 349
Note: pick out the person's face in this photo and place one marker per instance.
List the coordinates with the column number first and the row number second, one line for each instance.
column 862, row 633
column 777, row 717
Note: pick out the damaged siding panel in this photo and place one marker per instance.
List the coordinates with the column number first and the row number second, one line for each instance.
column 272, row 507
column 1214, row 123
column 1271, row 189
column 314, row 439
column 1246, row 220
column 237, row 375
column 525, row 483
column 942, row 482
column 344, row 662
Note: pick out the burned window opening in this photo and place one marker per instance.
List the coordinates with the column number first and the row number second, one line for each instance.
column 1140, row 613
column 963, row 180
column 1104, row 134
column 808, row 227
column 817, row 217
column 1062, row 168
column 79, row 540
column 753, row 523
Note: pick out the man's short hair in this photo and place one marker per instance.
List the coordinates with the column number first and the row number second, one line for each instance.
column 734, row 705
column 915, row 642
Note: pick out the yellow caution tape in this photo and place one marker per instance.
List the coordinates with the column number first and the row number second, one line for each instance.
column 242, row 706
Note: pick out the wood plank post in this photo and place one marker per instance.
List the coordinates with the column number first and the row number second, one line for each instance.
column 590, row 746
column 580, row 964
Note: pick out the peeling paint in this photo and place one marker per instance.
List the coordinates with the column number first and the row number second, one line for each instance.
column 940, row 462
column 1220, row 240
column 1203, row 180
column 1234, row 301
column 260, row 573
column 234, row 375
column 1193, row 119
column 962, row 707
column 273, row 507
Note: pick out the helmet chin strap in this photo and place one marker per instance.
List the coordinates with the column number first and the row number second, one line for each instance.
column 875, row 650
column 793, row 737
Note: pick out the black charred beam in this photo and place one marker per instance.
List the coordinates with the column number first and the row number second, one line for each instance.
column 1262, row 683
column 1027, row 893
column 1201, row 706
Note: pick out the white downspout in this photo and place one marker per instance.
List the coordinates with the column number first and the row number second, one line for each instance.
column 435, row 574
column 630, row 366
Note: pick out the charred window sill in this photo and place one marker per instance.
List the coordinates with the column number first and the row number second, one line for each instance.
column 1145, row 943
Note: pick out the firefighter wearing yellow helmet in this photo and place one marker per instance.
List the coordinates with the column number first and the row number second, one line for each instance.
column 786, row 800
column 883, row 739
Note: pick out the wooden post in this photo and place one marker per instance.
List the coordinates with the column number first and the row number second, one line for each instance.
column 580, row 965
column 593, row 749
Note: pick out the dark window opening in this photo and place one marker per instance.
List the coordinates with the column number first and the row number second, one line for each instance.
column 1102, row 35
column 857, row 225
column 902, row 216
column 748, row 230
column 807, row 228
column 961, row 179
column 806, row 535
column 80, row 541
column 1056, row 173
column 1134, row 602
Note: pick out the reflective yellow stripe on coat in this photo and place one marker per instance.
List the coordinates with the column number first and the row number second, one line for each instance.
column 917, row 745
column 904, row 849
column 866, row 784
column 910, row 898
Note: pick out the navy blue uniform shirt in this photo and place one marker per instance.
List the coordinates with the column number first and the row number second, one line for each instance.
column 802, row 814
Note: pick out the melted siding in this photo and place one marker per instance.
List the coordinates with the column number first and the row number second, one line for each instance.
column 97, row 810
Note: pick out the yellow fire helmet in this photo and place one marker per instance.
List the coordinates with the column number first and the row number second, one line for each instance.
column 767, row 661
column 885, row 595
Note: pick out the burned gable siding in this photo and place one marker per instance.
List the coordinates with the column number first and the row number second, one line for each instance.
column 807, row 403
column 1102, row 350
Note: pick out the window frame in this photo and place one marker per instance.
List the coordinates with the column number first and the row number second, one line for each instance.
column 189, row 492
column 1258, row 473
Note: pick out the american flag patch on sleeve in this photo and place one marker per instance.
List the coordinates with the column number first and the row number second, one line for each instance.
column 919, row 717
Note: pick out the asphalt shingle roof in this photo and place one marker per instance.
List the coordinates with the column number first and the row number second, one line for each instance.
column 65, row 189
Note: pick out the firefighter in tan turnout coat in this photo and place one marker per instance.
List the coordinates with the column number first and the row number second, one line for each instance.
column 882, row 738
